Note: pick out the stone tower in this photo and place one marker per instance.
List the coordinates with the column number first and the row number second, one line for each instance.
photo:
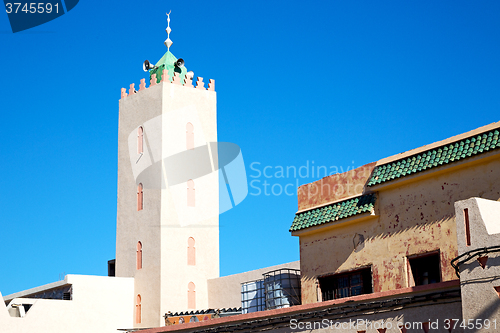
column 168, row 203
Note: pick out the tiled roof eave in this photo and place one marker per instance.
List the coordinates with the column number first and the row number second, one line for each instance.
column 334, row 223
column 442, row 169
column 448, row 154
column 334, row 212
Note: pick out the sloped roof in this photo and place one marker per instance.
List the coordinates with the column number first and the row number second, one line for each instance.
column 432, row 158
column 167, row 62
column 333, row 212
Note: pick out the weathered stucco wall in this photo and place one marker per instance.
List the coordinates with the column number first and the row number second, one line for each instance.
column 413, row 218
column 334, row 188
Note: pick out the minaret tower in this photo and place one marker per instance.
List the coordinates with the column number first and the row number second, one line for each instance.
column 167, row 234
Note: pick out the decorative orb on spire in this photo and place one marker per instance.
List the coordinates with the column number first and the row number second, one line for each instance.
column 168, row 41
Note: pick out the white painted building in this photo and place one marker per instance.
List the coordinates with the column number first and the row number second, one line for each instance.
column 91, row 304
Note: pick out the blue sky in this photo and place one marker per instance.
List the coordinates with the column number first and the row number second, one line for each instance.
column 334, row 83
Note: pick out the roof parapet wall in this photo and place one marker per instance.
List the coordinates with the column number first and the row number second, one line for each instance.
column 334, row 188
column 188, row 82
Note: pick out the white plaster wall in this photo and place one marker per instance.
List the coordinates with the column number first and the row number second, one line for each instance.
column 100, row 304
column 166, row 222
column 151, row 145
column 176, row 274
column 182, row 105
column 140, row 109
column 178, row 221
column 490, row 214
column 479, row 298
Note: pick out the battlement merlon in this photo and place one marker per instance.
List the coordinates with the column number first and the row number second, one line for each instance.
column 188, row 82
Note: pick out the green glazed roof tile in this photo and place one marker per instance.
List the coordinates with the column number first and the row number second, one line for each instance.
column 333, row 212
column 435, row 157
column 167, row 62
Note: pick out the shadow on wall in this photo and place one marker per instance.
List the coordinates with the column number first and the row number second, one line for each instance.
column 490, row 310
column 474, row 264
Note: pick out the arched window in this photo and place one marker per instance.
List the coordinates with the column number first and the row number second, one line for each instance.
column 191, row 252
column 190, row 193
column 138, row 311
column 191, row 296
column 140, row 140
column 189, row 136
column 140, row 197
column 139, row 255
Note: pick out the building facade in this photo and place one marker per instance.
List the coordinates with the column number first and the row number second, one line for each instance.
column 391, row 224
column 405, row 244
column 167, row 235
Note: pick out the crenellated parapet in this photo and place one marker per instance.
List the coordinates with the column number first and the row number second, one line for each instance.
column 187, row 82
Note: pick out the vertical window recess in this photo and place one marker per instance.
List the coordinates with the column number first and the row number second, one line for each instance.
column 140, row 140
column 138, row 312
column 190, row 193
column 467, row 227
column 191, row 252
column 140, row 197
column 191, row 296
column 139, row 255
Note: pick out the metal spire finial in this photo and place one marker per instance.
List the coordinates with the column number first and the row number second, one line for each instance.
column 168, row 42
